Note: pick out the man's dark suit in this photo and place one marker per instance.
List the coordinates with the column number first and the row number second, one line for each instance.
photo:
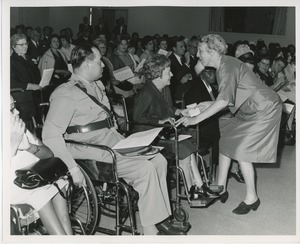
column 178, row 71
column 209, row 133
column 101, row 30
column 193, row 62
column 33, row 51
column 117, row 30
column 44, row 44
column 82, row 27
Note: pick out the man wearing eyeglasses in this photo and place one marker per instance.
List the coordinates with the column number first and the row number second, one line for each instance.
column 191, row 54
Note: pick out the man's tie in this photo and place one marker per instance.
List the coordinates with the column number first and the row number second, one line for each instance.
column 182, row 59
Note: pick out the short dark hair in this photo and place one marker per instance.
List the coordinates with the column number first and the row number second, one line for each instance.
column 146, row 40
column 54, row 36
column 174, row 40
column 81, row 53
column 64, row 36
column 282, row 59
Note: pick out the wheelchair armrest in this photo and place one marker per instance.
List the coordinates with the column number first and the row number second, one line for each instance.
column 160, row 125
column 16, row 90
column 101, row 147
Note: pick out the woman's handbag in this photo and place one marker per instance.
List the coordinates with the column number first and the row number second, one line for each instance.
column 44, row 172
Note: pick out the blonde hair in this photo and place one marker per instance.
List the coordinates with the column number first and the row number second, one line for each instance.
column 215, row 42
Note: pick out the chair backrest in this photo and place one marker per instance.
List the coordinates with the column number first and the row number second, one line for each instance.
column 24, row 103
column 26, row 106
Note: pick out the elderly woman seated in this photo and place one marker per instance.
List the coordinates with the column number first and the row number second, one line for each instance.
column 26, row 149
column 153, row 104
column 23, row 72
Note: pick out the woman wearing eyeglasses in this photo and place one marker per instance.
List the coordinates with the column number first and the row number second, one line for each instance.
column 23, row 72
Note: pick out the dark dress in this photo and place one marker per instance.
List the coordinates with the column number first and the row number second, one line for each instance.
column 252, row 134
column 22, row 72
column 150, row 106
column 59, row 64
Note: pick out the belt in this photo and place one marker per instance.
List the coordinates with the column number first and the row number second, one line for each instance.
column 107, row 123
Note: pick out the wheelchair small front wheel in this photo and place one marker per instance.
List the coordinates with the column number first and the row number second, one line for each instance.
column 180, row 214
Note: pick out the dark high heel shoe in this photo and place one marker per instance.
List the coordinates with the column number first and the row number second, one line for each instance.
column 238, row 176
column 224, row 196
column 244, row 208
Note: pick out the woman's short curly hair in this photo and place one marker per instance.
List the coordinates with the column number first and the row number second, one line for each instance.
column 215, row 42
column 15, row 38
column 154, row 66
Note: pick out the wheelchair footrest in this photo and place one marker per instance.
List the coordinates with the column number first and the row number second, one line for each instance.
column 216, row 188
column 201, row 202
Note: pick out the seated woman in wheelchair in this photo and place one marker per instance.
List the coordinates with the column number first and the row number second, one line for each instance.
column 26, row 149
column 153, row 104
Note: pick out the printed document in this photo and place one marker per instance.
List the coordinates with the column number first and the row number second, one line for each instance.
column 139, row 139
column 47, row 74
column 123, row 73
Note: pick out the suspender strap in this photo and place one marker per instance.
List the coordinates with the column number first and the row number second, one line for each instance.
column 106, row 109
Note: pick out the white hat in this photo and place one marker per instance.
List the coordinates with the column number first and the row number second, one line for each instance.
column 242, row 49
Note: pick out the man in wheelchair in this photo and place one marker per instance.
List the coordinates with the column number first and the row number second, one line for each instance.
column 80, row 111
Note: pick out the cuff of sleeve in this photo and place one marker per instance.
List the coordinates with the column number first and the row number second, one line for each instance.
column 74, row 169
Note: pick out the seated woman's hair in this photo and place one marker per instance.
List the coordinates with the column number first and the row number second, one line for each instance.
column 131, row 44
column 162, row 39
column 119, row 38
column 261, row 57
column 64, row 36
column 215, row 42
column 99, row 41
column 54, row 36
column 15, row 38
column 282, row 59
column 146, row 40
column 81, row 53
column 154, row 66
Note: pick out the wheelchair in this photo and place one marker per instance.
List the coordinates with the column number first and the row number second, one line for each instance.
column 83, row 210
column 176, row 177
column 114, row 197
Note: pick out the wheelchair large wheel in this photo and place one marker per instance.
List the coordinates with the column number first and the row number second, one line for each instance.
column 84, row 208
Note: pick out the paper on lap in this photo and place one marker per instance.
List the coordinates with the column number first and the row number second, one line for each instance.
column 162, row 52
column 141, row 64
column 135, row 80
column 70, row 68
column 123, row 73
column 139, row 139
column 47, row 74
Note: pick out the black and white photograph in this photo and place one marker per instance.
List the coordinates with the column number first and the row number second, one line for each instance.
column 149, row 121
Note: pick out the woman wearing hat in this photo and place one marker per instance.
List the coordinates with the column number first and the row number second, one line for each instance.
column 246, row 55
column 251, row 135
